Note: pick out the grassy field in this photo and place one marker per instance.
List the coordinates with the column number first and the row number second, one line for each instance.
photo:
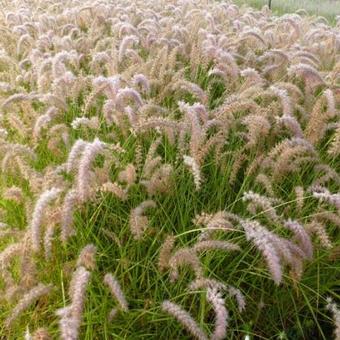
column 168, row 171
column 325, row 8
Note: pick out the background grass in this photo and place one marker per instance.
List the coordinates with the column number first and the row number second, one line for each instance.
column 326, row 8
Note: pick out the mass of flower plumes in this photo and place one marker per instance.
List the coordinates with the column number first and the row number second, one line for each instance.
column 201, row 76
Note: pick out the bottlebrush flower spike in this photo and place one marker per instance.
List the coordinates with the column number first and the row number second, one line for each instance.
column 325, row 196
column 261, row 239
column 192, row 88
column 69, row 204
column 29, row 298
column 165, row 252
column 302, row 237
column 43, row 121
column 334, row 148
column 307, row 72
column 87, row 257
column 8, row 253
column 71, row 315
column 318, row 228
column 286, row 103
column 262, row 202
column 221, row 313
column 215, row 244
column 215, row 222
column 116, row 291
column 125, row 44
column 76, row 151
column 116, row 189
column 291, row 124
column 139, row 222
column 206, row 283
column 142, row 81
column 331, row 306
column 84, row 170
column 38, row 213
column 184, row 256
column 185, row 319
column 41, row 334
column 14, row 194
column 195, row 170
column 92, row 123
column 128, row 175
column 128, row 93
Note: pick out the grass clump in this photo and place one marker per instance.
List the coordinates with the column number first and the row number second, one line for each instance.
column 168, row 171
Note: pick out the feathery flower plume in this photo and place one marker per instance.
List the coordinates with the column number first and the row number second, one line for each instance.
column 192, row 88
column 318, row 228
column 76, row 151
column 125, row 44
column 14, row 194
column 8, row 253
column 17, row 97
column 48, row 238
column 330, row 100
column 195, row 170
column 261, row 239
column 165, row 252
column 70, row 201
column 206, row 283
column 38, row 213
column 27, row 300
column 128, row 175
column 215, row 244
column 307, row 72
column 92, row 123
column 332, row 307
column 266, row 182
column 329, row 216
column 71, row 315
column 160, row 180
column 214, row 222
column 241, row 301
column 142, row 81
column 87, row 257
column 185, row 319
column 253, row 77
column 258, row 127
column 84, row 170
column 128, row 93
column 301, row 236
column 325, row 196
column 330, row 174
column 116, row 189
column 184, row 256
column 138, row 221
column 262, row 202
column 286, row 103
column 334, row 148
column 116, row 291
column 43, row 121
column 41, row 334
column 291, row 123
column 222, row 315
